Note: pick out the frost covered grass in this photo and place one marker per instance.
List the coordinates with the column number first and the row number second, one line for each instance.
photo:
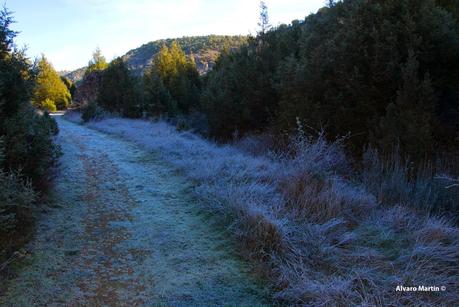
column 321, row 238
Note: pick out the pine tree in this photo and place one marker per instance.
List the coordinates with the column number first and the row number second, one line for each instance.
column 25, row 142
column 178, row 56
column 26, row 135
column 87, row 90
column 451, row 6
column 179, row 76
column 69, row 84
column 50, row 86
column 263, row 23
column 164, row 64
column 117, row 92
column 157, row 98
column 97, row 63
column 408, row 120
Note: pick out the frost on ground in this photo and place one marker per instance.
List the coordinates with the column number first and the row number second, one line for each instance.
column 126, row 230
column 321, row 238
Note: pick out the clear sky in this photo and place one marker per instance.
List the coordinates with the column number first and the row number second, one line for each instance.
column 67, row 31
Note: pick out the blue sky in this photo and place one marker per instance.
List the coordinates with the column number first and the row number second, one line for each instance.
column 67, row 31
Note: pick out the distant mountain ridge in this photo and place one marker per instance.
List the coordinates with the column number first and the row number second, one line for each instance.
column 75, row 75
column 204, row 49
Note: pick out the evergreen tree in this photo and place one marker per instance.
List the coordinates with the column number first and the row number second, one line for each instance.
column 117, row 92
column 451, row 6
column 50, row 87
column 165, row 65
column 69, row 84
column 88, row 89
column 187, row 86
column 408, row 121
column 263, row 23
column 157, row 99
column 339, row 70
column 97, row 63
column 26, row 145
column 246, row 99
column 178, row 57
column 179, row 76
column 27, row 136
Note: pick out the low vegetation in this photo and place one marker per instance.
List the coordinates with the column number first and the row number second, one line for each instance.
column 321, row 235
column 27, row 151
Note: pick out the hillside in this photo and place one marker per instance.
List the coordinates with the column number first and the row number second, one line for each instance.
column 205, row 50
column 74, row 75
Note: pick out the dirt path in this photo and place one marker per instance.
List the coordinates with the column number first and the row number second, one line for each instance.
column 125, row 231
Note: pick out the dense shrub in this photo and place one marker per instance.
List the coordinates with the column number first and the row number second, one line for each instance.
column 27, row 149
column 396, row 182
column 49, row 105
column 238, row 95
column 91, row 111
column 16, row 199
column 29, row 145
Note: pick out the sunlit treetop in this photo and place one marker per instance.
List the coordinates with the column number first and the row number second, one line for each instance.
column 97, row 63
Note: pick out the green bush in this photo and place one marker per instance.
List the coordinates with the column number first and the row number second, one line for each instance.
column 49, row 105
column 91, row 111
column 50, row 123
column 16, row 200
column 27, row 150
column 29, row 145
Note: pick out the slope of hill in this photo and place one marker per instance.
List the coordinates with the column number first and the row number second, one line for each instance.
column 204, row 49
column 75, row 75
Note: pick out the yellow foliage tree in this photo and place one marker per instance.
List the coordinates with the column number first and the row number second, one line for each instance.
column 97, row 63
column 178, row 75
column 49, row 86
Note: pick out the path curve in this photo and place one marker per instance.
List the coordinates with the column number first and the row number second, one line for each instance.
column 124, row 230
